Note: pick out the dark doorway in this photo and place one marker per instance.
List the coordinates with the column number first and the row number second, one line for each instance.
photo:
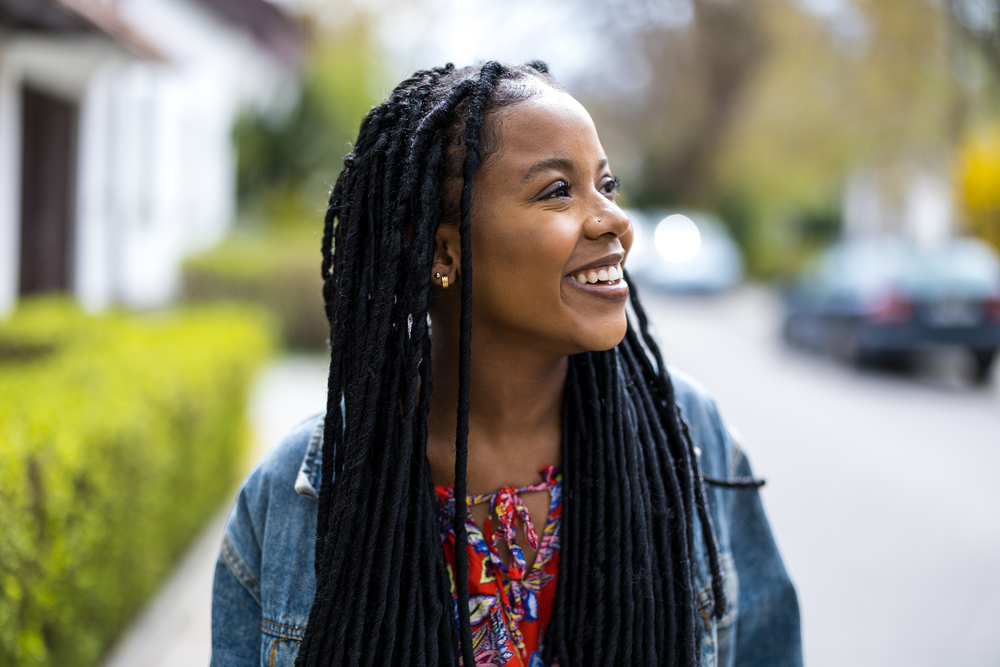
column 48, row 179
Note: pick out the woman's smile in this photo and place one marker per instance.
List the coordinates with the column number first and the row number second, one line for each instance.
column 602, row 280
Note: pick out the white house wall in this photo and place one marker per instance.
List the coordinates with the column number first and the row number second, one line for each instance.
column 929, row 208
column 156, row 161
column 912, row 200
column 61, row 67
column 93, row 256
column 215, row 70
column 10, row 181
column 159, row 180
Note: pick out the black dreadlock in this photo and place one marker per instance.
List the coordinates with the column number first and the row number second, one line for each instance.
column 625, row 593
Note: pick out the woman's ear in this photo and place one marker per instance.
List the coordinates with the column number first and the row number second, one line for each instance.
column 447, row 256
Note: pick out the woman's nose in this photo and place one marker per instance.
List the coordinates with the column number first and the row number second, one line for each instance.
column 607, row 219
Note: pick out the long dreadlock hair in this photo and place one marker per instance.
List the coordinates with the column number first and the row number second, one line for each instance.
column 626, row 589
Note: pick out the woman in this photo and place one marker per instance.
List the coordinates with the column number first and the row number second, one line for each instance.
column 514, row 479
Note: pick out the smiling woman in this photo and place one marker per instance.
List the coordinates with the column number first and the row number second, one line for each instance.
column 514, row 479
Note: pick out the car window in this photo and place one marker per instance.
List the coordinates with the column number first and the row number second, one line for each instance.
column 862, row 268
column 965, row 267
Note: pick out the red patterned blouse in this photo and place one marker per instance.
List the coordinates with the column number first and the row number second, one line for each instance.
column 509, row 604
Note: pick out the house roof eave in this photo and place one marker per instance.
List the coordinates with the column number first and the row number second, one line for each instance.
column 104, row 19
column 77, row 16
column 270, row 25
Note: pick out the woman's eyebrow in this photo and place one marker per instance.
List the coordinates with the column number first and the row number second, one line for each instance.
column 563, row 163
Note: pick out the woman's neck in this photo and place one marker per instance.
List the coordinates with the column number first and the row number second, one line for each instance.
column 515, row 411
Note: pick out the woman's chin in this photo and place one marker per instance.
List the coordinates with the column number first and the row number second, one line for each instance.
column 604, row 337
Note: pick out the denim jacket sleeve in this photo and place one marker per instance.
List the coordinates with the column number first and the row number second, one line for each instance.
column 768, row 633
column 761, row 626
column 236, row 609
column 264, row 577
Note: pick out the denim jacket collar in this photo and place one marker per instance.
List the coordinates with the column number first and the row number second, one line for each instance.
column 307, row 482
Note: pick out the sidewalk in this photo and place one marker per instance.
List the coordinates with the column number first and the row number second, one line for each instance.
column 174, row 629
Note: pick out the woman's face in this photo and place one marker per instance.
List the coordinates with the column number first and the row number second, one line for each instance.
column 545, row 226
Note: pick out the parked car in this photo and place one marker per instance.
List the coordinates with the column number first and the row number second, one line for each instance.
column 683, row 251
column 882, row 299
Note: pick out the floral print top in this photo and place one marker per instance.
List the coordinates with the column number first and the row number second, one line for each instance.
column 509, row 604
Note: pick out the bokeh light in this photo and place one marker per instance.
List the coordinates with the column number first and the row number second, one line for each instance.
column 677, row 238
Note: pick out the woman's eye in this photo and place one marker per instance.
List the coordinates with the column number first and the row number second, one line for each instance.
column 559, row 190
column 611, row 186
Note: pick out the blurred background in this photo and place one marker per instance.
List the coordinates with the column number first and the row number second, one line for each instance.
column 815, row 188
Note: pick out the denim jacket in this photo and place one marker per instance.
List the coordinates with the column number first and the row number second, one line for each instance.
column 264, row 578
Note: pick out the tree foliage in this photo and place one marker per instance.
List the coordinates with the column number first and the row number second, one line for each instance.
column 288, row 162
column 979, row 21
column 760, row 110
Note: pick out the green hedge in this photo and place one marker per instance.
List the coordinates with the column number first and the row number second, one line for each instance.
column 278, row 270
column 120, row 435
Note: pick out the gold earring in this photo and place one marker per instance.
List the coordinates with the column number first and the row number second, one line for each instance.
column 437, row 275
column 444, row 282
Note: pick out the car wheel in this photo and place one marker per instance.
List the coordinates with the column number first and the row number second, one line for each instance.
column 983, row 365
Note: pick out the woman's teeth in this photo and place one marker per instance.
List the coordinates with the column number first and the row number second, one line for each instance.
column 609, row 275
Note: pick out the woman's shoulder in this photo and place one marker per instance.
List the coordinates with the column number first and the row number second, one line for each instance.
column 294, row 464
column 277, row 496
column 717, row 443
column 689, row 393
column 267, row 550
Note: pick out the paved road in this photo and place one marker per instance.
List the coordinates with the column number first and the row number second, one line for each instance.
column 882, row 488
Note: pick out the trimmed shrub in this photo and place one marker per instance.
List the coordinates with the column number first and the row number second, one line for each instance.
column 276, row 270
column 120, row 435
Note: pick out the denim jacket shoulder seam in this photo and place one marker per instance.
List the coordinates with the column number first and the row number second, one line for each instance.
column 237, row 565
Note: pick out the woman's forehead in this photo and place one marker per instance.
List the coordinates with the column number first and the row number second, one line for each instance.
column 551, row 123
